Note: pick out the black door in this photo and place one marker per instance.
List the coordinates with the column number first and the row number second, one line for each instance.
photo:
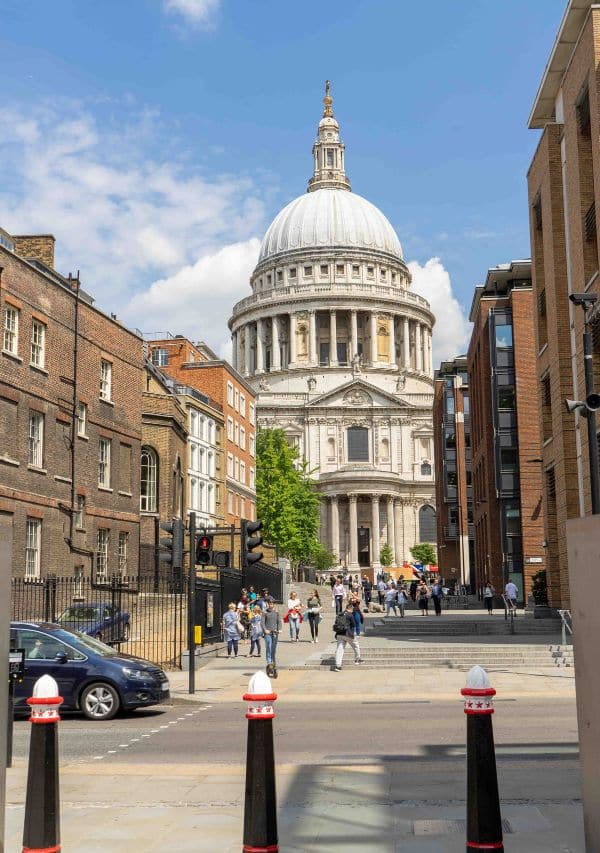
column 364, row 552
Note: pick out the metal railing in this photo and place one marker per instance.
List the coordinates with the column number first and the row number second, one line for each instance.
column 566, row 624
column 509, row 610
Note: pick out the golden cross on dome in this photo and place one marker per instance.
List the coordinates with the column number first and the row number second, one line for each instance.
column 327, row 100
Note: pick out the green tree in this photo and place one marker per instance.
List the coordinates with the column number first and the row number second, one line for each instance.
column 386, row 555
column 286, row 497
column 323, row 559
column 424, row 553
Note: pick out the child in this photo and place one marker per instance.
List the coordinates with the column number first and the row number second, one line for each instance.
column 256, row 631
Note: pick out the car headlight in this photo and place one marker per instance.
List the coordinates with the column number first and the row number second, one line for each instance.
column 135, row 673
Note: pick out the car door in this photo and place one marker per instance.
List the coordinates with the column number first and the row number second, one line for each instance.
column 110, row 630
column 41, row 649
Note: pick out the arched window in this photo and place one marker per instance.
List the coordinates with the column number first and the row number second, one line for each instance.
column 427, row 525
column 425, row 469
column 149, row 480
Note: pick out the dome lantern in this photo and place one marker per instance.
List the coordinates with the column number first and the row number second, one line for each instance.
column 328, row 151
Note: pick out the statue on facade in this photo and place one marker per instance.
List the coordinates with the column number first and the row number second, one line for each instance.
column 312, row 383
column 264, row 384
column 401, row 381
column 356, row 363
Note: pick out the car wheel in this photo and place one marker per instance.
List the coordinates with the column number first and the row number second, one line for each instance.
column 99, row 702
column 126, row 632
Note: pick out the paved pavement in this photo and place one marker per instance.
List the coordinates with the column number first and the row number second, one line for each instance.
column 348, row 800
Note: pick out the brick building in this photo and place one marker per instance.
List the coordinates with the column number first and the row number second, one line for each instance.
column 562, row 181
column 196, row 366
column 505, row 430
column 163, row 462
column 454, row 491
column 70, row 420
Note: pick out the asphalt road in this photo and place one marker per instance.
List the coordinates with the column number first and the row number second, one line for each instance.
column 536, row 746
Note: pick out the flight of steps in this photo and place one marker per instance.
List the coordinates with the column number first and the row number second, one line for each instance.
column 452, row 625
column 460, row 656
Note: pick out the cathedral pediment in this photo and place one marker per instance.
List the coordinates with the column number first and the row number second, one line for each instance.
column 358, row 394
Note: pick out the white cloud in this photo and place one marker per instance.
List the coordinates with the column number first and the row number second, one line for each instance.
column 126, row 215
column 197, row 300
column 199, row 13
column 452, row 328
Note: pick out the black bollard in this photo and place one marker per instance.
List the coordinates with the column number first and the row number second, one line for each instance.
column 484, row 821
column 41, row 833
column 260, row 804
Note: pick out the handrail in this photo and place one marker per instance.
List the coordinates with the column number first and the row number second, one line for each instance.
column 566, row 626
column 508, row 608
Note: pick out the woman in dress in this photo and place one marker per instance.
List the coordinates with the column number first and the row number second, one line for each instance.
column 314, row 615
column 423, row 598
column 231, row 631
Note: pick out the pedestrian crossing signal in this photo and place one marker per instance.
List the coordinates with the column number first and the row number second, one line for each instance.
column 204, row 550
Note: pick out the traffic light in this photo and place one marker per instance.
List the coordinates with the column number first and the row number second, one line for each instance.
column 204, row 545
column 250, row 542
column 173, row 544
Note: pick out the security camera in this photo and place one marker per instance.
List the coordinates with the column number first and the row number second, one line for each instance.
column 585, row 299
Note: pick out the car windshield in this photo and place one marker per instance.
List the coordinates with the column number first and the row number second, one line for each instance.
column 80, row 614
column 89, row 643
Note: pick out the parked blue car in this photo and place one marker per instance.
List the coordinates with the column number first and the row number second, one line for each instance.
column 103, row 621
column 92, row 677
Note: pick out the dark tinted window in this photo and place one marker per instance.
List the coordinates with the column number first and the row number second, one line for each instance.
column 358, row 444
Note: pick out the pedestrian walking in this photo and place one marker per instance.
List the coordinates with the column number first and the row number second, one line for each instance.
column 232, row 629
column 338, row 594
column 252, row 595
column 512, row 594
column 271, row 623
column 263, row 601
column 367, row 588
column 436, row 597
column 244, row 614
column 422, row 595
column 256, row 631
column 413, row 589
column 391, row 599
column 332, row 582
column 345, row 632
column 402, row 600
column 381, row 589
column 314, row 607
column 358, row 616
column 488, row 597
column 294, row 616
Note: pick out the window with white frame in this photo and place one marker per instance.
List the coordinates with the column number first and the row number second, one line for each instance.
column 243, row 507
column 193, row 493
column 252, row 478
column 236, row 469
column 252, row 414
column 202, row 500
column 201, row 460
column 80, row 513
column 230, row 503
column 229, row 394
column 230, row 464
column 10, row 340
column 104, row 463
column 122, row 553
column 33, row 542
column 160, row 357
column 102, row 540
column 38, row 344
column 36, row 439
column 242, row 438
column 236, row 434
column 242, row 472
column 194, row 457
column 243, row 405
column 210, row 464
column 201, row 422
column 252, row 443
column 230, row 428
column 210, row 431
column 236, row 398
column 105, row 380
column 81, row 418
column 149, row 480
column 210, row 508
column 194, row 423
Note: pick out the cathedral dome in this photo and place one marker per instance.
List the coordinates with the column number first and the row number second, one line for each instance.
column 330, row 218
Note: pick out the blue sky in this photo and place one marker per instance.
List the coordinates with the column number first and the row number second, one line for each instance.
column 158, row 138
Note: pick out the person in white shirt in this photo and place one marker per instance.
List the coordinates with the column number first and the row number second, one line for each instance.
column 512, row 593
column 294, row 617
column 338, row 594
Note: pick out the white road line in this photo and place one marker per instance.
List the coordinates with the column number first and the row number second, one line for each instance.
column 98, row 757
column 134, row 740
column 123, row 746
column 112, row 751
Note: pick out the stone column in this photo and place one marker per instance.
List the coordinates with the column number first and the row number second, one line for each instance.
column 418, row 352
column 334, row 527
column 353, row 334
column 398, row 532
column 314, row 359
column 429, row 354
column 248, row 352
column 375, row 531
column 234, row 350
column 333, row 359
column 292, row 339
column 406, row 344
column 392, row 339
column 373, row 321
column 275, row 351
column 353, row 524
column 390, row 525
column 260, row 346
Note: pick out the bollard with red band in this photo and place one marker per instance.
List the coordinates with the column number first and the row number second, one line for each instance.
column 260, row 804
column 41, row 832
column 484, row 821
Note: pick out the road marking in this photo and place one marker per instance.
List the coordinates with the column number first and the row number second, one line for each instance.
column 134, row 740
column 123, row 745
column 112, row 751
column 154, row 731
column 98, row 757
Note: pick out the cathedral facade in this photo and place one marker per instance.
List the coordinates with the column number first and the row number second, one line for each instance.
column 338, row 349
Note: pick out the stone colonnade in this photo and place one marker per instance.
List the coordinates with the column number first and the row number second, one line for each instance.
column 272, row 343
column 392, row 508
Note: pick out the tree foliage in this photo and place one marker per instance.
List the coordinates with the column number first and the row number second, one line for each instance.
column 386, row 555
column 424, row 553
column 286, row 498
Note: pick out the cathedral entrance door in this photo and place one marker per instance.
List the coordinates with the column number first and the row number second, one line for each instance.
column 364, row 550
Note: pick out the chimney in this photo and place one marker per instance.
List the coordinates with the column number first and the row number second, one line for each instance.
column 35, row 247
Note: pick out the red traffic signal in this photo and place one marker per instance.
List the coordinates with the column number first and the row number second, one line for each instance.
column 204, row 550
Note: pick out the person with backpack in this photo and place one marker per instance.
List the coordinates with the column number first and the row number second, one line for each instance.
column 271, row 624
column 344, row 629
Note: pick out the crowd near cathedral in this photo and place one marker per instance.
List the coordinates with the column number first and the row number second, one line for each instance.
column 338, row 349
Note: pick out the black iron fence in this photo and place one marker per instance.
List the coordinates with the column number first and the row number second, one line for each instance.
column 144, row 616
